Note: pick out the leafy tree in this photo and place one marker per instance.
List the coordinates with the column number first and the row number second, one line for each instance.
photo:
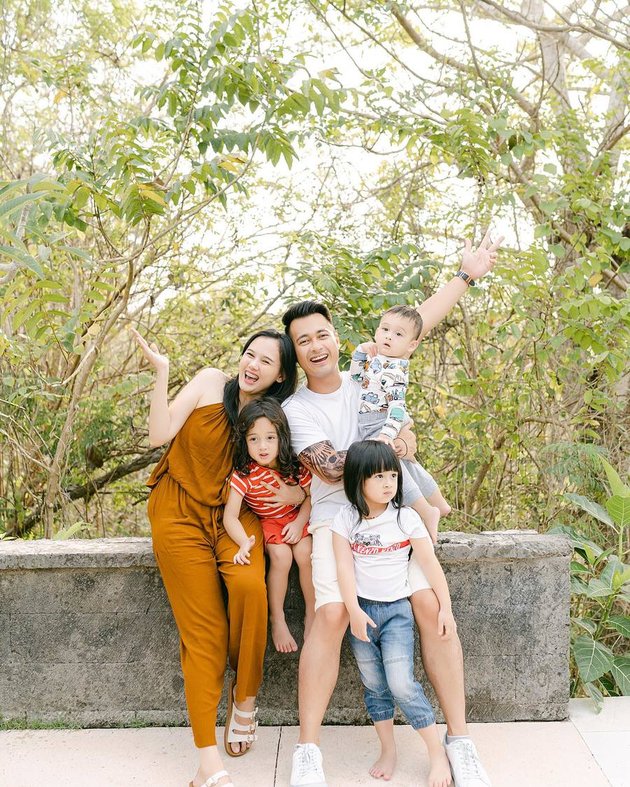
column 143, row 131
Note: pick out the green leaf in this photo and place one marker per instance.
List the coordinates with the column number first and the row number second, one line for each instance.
column 620, row 671
column 23, row 258
column 14, row 204
column 585, row 623
column 595, row 694
column 620, row 623
column 69, row 532
column 592, row 658
column 598, row 589
column 619, row 509
column 592, row 508
column 616, row 484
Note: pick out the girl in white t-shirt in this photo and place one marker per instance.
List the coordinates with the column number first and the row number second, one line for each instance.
column 372, row 538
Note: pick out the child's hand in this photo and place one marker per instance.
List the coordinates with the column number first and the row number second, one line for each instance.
column 446, row 624
column 292, row 533
column 369, row 348
column 383, row 438
column 242, row 556
column 359, row 621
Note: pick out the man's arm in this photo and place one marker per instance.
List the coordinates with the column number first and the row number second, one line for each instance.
column 324, row 461
column 474, row 263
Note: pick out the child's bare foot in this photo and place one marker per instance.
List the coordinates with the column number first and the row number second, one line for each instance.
column 383, row 768
column 431, row 519
column 440, row 773
column 444, row 508
column 438, row 500
column 281, row 636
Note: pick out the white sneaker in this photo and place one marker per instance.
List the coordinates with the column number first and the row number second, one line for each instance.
column 307, row 766
column 465, row 764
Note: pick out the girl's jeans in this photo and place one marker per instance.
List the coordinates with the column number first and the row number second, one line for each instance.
column 386, row 664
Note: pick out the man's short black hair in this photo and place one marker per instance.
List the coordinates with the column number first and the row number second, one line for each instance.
column 304, row 309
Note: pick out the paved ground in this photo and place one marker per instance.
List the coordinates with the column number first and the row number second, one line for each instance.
column 589, row 750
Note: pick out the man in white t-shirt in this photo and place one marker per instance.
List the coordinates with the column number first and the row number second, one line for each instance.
column 324, row 423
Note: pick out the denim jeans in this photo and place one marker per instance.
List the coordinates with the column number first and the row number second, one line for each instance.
column 386, row 664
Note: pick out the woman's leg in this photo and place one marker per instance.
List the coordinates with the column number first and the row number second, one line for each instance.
column 247, row 614
column 189, row 571
column 302, row 554
column 280, row 560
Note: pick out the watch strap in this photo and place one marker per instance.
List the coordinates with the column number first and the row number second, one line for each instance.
column 466, row 277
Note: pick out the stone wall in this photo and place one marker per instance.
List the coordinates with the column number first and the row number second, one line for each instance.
column 87, row 637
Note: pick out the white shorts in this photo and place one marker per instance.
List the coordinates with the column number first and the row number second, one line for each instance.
column 325, row 569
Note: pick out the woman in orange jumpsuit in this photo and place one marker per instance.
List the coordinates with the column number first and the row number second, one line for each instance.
column 189, row 487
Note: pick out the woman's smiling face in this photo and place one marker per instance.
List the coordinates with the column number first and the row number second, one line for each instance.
column 259, row 367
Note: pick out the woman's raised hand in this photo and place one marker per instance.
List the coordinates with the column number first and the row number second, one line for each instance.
column 150, row 352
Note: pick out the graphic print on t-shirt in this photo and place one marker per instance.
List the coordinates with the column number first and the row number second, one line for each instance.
column 371, row 544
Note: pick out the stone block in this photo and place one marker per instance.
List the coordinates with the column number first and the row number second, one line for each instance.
column 87, row 636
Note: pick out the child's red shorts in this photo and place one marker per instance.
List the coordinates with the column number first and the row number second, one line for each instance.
column 272, row 528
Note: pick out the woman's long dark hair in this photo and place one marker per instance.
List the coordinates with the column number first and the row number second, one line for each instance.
column 363, row 460
column 288, row 465
column 279, row 391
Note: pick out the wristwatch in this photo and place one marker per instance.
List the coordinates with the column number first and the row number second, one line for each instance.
column 466, row 277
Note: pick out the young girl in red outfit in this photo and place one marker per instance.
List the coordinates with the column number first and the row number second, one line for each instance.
column 262, row 455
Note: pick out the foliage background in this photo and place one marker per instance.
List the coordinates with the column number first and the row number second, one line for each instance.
column 190, row 168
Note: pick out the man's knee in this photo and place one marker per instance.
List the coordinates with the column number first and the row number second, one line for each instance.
column 425, row 607
column 333, row 616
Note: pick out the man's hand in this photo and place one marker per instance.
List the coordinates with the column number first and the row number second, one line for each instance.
column 477, row 263
column 285, row 494
column 359, row 621
column 405, row 444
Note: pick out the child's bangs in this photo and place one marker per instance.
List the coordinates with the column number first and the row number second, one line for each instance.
column 379, row 458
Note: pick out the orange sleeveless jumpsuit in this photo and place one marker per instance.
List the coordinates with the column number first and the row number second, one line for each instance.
column 190, row 485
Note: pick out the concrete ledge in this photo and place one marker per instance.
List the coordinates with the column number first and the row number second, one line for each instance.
column 87, row 637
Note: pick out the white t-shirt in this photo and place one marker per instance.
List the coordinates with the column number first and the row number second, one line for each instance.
column 380, row 548
column 314, row 418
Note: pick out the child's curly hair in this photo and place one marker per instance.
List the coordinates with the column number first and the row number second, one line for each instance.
column 288, row 464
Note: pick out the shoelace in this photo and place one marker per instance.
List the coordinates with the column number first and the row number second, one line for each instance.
column 308, row 762
column 470, row 763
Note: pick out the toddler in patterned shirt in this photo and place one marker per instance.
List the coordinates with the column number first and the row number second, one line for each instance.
column 381, row 368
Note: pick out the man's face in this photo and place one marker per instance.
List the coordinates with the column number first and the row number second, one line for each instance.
column 316, row 346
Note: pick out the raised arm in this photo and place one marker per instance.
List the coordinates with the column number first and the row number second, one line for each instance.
column 475, row 264
column 324, row 461
column 166, row 420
